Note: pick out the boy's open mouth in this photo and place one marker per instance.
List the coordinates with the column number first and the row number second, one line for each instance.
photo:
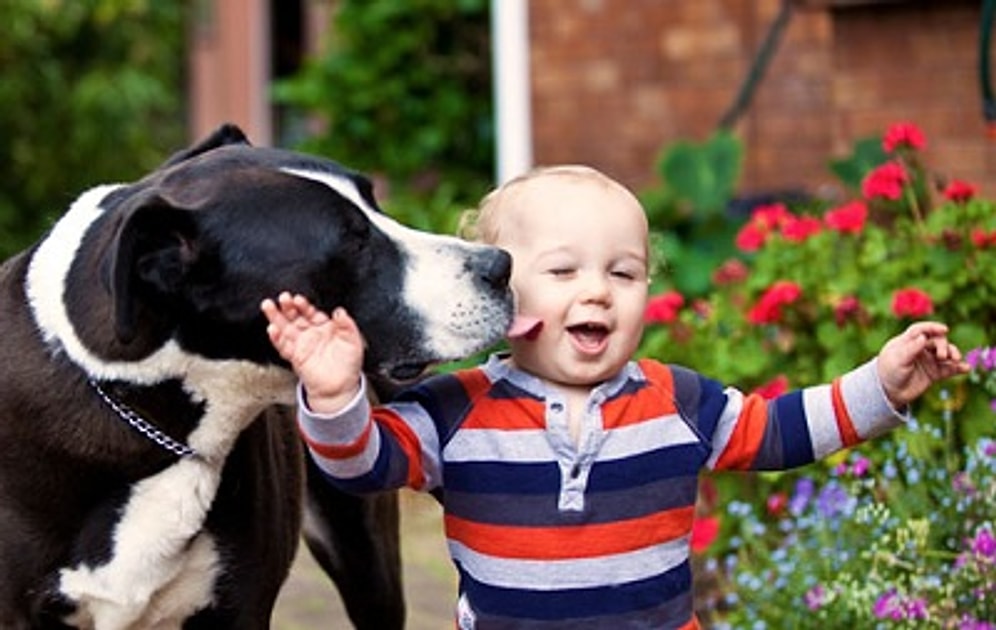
column 589, row 336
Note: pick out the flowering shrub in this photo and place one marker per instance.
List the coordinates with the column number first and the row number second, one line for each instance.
column 818, row 288
column 908, row 546
column 898, row 532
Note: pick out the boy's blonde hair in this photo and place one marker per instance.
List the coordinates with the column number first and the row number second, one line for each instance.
column 484, row 222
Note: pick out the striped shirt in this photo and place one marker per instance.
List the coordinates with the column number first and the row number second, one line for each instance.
column 546, row 532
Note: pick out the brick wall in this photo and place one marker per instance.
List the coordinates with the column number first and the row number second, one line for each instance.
column 615, row 80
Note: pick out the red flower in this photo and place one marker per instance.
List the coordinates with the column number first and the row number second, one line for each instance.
column 911, row 302
column 663, row 308
column 959, row 191
column 773, row 388
column 846, row 309
column 730, row 272
column 849, row 217
column 903, row 134
column 777, row 503
column 705, row 529
column 768, row 309
column 763, row 221
column 885, row 181
column 798, row 229
column 750, row 238
column 983, row 239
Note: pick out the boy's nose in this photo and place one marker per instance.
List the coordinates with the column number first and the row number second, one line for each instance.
column 596, row 289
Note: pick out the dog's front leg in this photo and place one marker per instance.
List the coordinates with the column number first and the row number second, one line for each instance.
column 151, row 545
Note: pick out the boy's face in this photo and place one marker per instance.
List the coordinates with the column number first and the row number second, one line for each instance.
column 579, row 251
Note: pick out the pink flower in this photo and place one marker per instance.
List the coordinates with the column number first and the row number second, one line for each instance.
column 777, row 503
column 730, row 272
column 763, row 221
column 704, row 532
column 903, row 134
column 798, row 229
column 768, row 309
column 959, row 191
column 848, row 218
column 886, row 181
column 663, row 308
column 911, row 302
column 846, row 309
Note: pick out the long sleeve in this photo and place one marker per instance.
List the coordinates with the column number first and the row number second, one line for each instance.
column 747, row 432
column 365, row 449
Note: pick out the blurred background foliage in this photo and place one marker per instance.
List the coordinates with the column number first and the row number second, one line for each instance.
column 90, row 91
column 403, row 90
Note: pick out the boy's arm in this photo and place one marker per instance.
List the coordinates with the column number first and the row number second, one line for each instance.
column 361, row 449
column 804, row 425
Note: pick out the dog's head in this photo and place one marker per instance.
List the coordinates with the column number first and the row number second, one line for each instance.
column 190, row 251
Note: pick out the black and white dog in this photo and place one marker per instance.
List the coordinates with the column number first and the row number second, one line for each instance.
column 150, row 471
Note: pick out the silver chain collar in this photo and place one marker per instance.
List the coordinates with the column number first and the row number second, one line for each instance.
column 142, row 425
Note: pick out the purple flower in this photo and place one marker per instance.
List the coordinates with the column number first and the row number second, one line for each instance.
column 984, row 358
column 971, row 623
column 816, row 597
column 832, row 501
column 984, row 544
column 962, row 484
column 887, row 606
column 860, row 467
column 803, row 493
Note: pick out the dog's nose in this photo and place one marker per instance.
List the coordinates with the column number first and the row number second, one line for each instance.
column 495, row 268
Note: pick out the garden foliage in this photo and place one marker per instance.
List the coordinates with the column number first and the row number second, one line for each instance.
column 90, row 91
column 898, row 531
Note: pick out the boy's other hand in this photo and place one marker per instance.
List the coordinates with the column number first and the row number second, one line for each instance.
column 326, row 352
column 912, row 361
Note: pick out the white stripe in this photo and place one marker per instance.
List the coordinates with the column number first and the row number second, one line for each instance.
column 421, row 423
column 515, row 446
column 821, row 421
column 352, row 467
column 866, row 402
column 636, row 439
column 726, row 424
column 575, row 573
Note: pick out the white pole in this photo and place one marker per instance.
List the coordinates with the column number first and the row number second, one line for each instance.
column 510, row 56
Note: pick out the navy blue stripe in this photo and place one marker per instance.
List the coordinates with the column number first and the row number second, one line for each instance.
column 443, row 398
column 540, row 510
column 790, row 415
column 616, row 599
column 662, row 463
column 502, row 478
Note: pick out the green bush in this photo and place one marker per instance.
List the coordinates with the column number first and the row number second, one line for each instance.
column 90, row 91
column 403, row 90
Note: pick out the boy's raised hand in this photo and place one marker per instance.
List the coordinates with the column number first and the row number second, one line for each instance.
column 325, row 352
column 912, row 361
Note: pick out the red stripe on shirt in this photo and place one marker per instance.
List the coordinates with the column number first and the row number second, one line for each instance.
column 340, row 451
column 848, row 434
column 653, row 401
column 747, row 435
column 582, row 541
column 509, row 414
column 407, row 440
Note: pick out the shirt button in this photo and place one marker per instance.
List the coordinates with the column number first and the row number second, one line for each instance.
column 556, row 407
column 576, row 471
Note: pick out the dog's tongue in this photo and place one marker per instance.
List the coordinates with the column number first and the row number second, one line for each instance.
column 525, row 326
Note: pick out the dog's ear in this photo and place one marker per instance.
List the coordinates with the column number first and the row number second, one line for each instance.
column 224, row 135
column 153, row 249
